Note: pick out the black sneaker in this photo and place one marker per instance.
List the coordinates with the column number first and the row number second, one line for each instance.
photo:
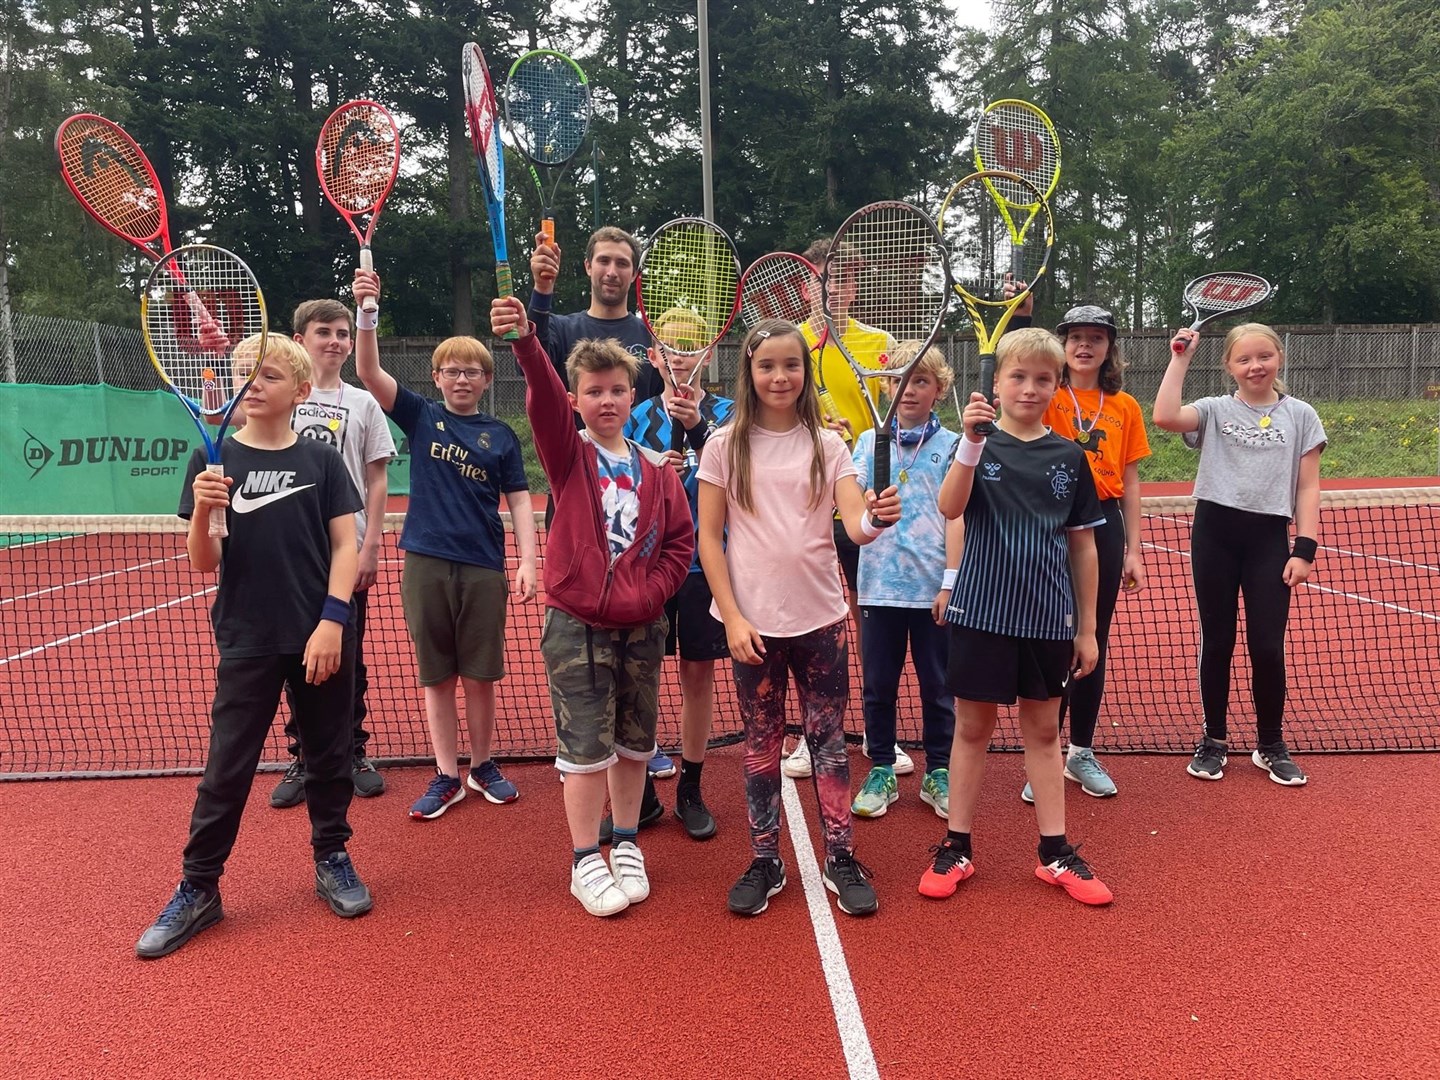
column 848, row 879
column 650, row 813
column 337, row 883
column 1209, row 760
column 189, row 911
column 291, row 790
column 368, row 782
column 1275, row 759
column 694, row 815
column 751, row 894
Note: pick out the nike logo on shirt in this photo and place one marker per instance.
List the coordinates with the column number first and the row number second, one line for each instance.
column 244, row 504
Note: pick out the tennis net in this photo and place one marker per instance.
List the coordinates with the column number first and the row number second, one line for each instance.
column 107, row 657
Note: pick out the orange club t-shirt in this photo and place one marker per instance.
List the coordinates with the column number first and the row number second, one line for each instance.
column 1116, row 439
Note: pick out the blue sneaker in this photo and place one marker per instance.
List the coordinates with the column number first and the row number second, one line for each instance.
column 443, row 793
column 488, row 780
column 337, row 883
column 189, row 911
column 1082, row 767
column 661, row 766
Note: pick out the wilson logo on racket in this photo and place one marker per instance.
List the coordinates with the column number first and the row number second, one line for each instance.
column 1015, row 150
column 1230, row 292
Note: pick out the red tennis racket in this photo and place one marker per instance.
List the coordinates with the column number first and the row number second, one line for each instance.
column 114, row 182
column 357, row 159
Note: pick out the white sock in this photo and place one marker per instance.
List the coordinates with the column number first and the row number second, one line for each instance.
column 1074, row 752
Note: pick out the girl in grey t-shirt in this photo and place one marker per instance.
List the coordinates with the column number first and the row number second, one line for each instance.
column 1259, row 469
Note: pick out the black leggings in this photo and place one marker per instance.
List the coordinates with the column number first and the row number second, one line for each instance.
column 1083, row 697
column 1239, row 551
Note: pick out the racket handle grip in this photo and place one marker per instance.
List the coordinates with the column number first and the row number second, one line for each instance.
column 218, row 529
column 547, row 228
column 880, row 478
column 987, row 388
column 367, row 262
column 505, row 286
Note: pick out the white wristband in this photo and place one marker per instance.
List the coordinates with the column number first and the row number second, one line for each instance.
column 947, row 582
column 869, row 528
column 970, row 451
column 367, row 320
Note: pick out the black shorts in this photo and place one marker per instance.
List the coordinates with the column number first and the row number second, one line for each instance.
column 699, row 635
column 849, row 553
column 998, row 668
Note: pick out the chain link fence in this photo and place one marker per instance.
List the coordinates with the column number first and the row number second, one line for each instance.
column 1374, row 386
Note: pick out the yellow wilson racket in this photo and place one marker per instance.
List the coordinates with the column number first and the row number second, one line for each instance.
column 200, row 306
column 984, row 250
column 1016, row 137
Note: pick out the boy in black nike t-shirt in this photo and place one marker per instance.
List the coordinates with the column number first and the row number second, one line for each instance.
column 282, row 611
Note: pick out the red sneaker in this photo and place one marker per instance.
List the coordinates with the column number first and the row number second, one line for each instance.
column 1073, row 875
column 945, row 872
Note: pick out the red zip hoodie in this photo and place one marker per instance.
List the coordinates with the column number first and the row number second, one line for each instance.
column 580, row 577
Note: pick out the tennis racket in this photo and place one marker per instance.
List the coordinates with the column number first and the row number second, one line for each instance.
column 1016, row 137
column 1211, row 296
column 783, row 285
column 483, row 119
column 194, row 352
column 114, row 182
column 357, row 158
column 688, row 293
column 886, row 271
column 547, row 108
column 985, row 249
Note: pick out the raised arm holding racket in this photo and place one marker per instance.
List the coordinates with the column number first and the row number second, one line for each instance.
column 357, row 159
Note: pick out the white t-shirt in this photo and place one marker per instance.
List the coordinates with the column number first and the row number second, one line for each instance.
column 783, row 567
column 351, row 420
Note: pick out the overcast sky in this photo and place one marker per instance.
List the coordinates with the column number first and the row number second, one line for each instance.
column 971, row 12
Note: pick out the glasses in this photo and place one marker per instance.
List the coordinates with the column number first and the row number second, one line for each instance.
column 450, row 374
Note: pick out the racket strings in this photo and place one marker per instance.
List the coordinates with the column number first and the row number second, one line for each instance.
column 886, row 269
column 113, row 177
column 1013, row 137
column 482, row 116
column 688, row 279
column 1218, row 293
column 779, row 286
column 547, row 102
column 359, row 154
column 201, row 306
column 983, row 249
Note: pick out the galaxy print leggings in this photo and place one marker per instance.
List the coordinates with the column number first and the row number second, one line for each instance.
column 820, row 663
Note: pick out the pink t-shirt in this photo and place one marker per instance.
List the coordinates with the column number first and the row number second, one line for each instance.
column 783, row 567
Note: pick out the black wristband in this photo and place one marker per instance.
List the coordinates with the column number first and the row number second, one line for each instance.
column 1305, row 548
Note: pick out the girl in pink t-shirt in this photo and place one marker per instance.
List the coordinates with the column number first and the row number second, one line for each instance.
column 770, row 481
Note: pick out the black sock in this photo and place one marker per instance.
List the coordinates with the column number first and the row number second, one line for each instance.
column 1053, row 847
column 960, row 841
column 582, row 852
column 621, row 835
column 690, row 775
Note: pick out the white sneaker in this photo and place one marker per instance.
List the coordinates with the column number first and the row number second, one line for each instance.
column 595, row 887
column 629, row 867
column 903, row 765
column 797, row 765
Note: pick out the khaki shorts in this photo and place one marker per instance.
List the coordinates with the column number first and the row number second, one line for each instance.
column 604, row 688
column 456, row 616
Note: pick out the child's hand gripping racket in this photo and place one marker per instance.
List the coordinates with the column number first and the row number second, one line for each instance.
column 357, row 159
column 984, row 251
column 1212, row 296
column 688, row 293
column 195, row 355
column 887, row 271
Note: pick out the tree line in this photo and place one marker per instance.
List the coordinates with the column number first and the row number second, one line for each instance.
column 1294, row 138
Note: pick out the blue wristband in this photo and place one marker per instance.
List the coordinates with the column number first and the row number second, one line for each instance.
column 336, row 610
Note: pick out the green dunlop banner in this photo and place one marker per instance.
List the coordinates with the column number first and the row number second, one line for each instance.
column 99, row 450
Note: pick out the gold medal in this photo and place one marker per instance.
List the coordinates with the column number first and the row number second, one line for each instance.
column 1082, row 436
column 904, row 476
column 334, row 425
column 1265, row 421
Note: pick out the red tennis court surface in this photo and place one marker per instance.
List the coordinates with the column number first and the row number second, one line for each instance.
column 107, row 658
column 1257, row 931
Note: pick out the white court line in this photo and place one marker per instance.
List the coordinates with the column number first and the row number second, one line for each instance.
column 1321, row 588
column 854, row 1039
column 105, row 626
column 90, row 580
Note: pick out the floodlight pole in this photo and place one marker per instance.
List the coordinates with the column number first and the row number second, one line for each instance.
column 707, row 181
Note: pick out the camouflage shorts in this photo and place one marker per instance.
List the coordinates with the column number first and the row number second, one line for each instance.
column 604, row 688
